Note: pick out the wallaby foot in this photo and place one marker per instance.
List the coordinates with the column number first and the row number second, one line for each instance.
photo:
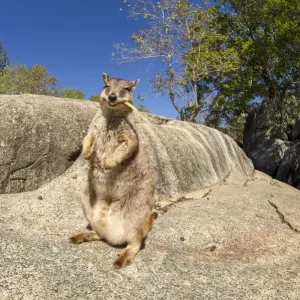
column 84, row 237
column 127, row 255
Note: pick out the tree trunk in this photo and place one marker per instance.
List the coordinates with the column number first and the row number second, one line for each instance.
column 171, row 92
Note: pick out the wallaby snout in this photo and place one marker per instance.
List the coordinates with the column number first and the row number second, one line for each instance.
column 112, row 97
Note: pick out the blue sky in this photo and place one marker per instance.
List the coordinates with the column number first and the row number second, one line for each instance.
column 73, row 39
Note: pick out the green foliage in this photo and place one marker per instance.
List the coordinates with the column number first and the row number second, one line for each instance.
column 181, row 36
column 95, row 98
column 4, row 62
column 141, row 106
column 236, row 128
column 283, row 118
column 71, row 93
column 209, row 58
column 220, row 61
column 265, row 34
column 18, row 79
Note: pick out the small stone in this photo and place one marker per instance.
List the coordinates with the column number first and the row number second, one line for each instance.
column 40, row 197
column 182, row 238
column 213, row 248
column 187, row 283
column 55, row 250
column 74, row 176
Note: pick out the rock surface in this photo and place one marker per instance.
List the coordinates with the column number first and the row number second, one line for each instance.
column 267, row 155
column 266, row 145
column 296, row 130
column 235, row 240
column 40, row 137
column 259, row 126
column 289, row 169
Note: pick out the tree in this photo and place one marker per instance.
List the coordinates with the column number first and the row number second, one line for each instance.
column 235, row 128
column 18, row 79
column 141, row 106
column 71, row 93
column 95, row 98
column 266, row 37
column 181, row 36
column 4, row 62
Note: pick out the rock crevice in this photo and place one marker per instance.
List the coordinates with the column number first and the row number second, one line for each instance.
column 283, row 218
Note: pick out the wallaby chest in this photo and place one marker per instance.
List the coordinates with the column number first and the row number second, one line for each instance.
column 112, row 133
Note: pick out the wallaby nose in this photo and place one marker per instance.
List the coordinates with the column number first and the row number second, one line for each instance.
column 112, row 97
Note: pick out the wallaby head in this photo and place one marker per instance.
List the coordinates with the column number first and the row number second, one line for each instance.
column 116, row 91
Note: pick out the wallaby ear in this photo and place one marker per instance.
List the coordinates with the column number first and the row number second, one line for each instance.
column 134, row 82
column 106, row 78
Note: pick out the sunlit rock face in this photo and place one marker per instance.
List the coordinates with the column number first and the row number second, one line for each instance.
column 40, row 138
column 190, row 156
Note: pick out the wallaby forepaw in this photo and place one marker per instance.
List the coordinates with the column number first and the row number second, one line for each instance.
column 109, row 164
column 88, row 145
column 87, row 153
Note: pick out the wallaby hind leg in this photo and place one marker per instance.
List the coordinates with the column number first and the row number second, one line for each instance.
column 84, row 237
column 127, row 255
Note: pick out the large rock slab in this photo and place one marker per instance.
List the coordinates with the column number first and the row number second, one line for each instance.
column 289, row 169
column 270, row 148
column 267, row 155
column 261, row 143
column 260, row 125
column 40, row 137
column 233, row 241
column 296, row 130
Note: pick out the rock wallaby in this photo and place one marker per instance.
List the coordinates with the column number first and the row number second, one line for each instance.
column 118, row 198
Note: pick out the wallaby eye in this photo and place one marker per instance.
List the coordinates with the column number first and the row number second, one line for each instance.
column 127, row 89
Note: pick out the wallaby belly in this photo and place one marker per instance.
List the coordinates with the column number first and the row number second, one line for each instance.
column 108, row 222
column 111, row 205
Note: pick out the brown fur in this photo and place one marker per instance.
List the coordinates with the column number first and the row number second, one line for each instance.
column 118, row 198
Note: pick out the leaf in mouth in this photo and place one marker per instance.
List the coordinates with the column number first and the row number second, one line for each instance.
column 131, row 106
